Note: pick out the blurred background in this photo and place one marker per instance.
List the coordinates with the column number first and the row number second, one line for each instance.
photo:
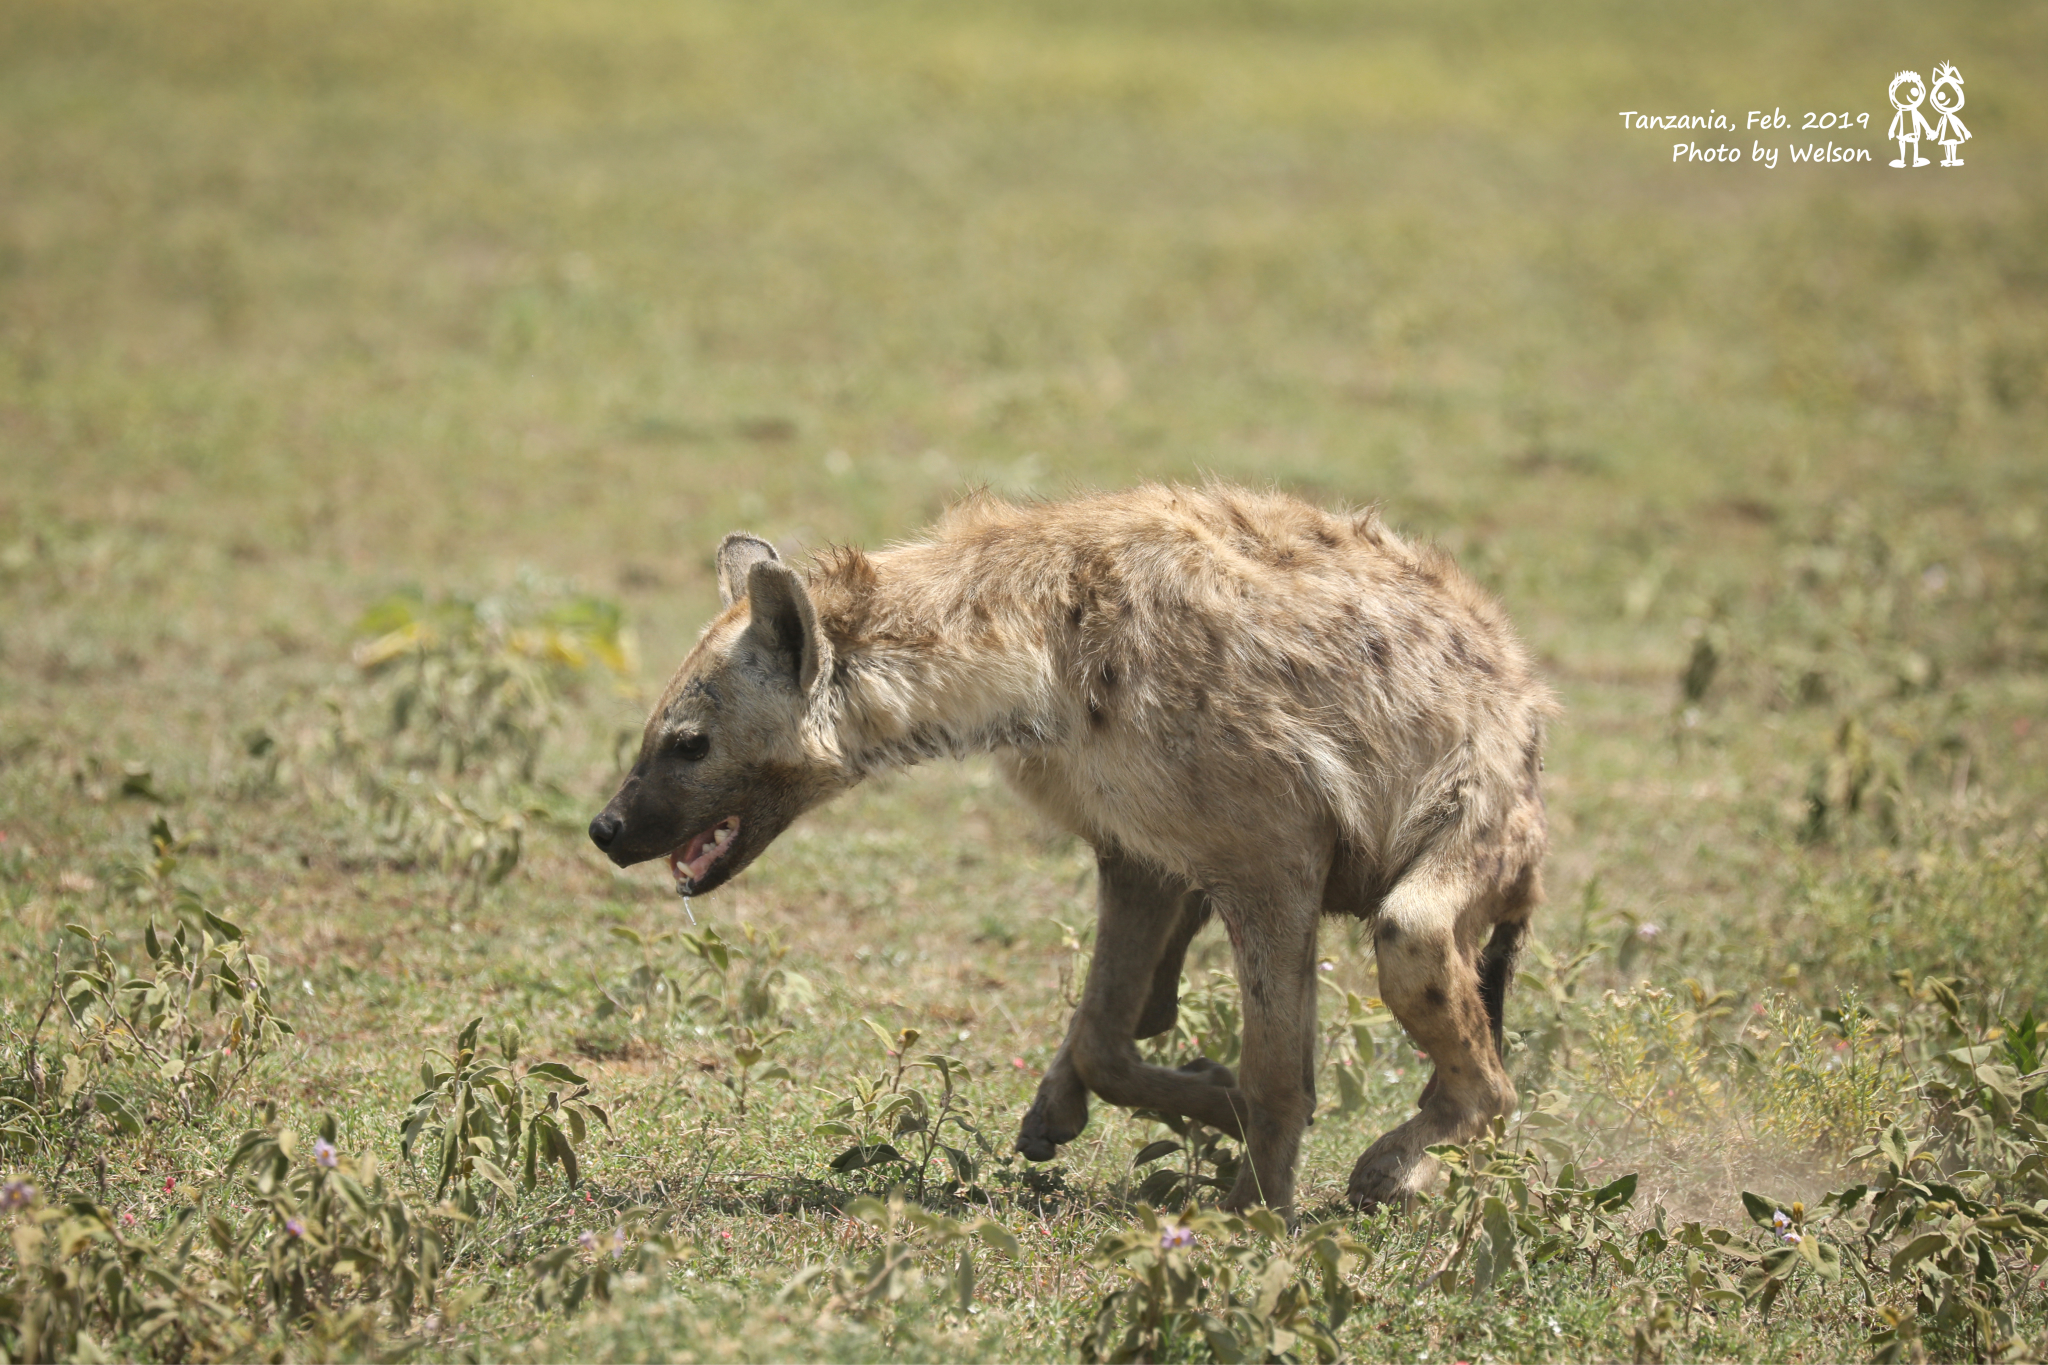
column 314, row 296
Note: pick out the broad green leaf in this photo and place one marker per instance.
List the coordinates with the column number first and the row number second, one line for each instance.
column 1350, row 1093
column 491, row 1171
column 1159, row 1186
column 116, row 1109
column 1778, row 1260
column 227, row 929
column 1761, row 1211
column 1615, row 1194
column 563, row 1152
column 965, row 1168
column 1919, row 1249
column 1152, row 1151
column 860, row 1157
column 886, row 1038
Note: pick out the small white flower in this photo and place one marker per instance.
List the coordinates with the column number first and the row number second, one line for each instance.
column 1647, row 932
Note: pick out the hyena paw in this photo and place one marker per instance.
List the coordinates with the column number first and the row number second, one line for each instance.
column 1045, row 1130
column 1390, row 1173
column 1215, row 1073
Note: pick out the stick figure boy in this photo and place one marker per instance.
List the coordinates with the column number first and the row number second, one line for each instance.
column 1907, row 129
column 1947, row 97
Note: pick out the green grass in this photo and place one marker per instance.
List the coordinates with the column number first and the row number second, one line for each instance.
column 302, row 303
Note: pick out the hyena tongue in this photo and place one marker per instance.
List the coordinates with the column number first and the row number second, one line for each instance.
column 699, row 861
column 695, row 858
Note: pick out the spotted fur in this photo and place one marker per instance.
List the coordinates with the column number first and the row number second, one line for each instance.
column 1251, row 708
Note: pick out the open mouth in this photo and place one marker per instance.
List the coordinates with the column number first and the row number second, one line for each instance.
column 694, row 859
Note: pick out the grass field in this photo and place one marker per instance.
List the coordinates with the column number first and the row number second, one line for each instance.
column 481, row 323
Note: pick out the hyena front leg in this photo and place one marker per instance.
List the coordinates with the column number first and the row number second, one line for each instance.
column 1275, row 945
column 1430, row 967
column 1162, row 1006
column 1143, row 926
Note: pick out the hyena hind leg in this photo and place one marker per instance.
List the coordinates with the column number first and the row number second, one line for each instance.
column 1450, row 1001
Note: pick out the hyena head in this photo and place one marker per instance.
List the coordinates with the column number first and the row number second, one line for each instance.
column 727, row 759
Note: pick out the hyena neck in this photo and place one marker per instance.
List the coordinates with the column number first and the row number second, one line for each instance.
column 919, row 676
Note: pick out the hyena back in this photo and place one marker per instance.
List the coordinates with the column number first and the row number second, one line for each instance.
column 1252, row 709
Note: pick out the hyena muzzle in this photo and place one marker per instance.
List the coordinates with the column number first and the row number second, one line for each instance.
column 1253, row 710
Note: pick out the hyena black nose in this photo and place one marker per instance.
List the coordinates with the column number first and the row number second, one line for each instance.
column 604, row 829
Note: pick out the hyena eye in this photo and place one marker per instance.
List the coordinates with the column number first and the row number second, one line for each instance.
column 693, row 747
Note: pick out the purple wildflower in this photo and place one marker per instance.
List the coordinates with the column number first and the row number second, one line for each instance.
column 294, row 1228
column 16, row 1194
column 324, row 1154
column 1176, row 1237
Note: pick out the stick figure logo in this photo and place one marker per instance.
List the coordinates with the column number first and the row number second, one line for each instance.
column 1908, row 92
column 1909, row 124
column 1947, row 98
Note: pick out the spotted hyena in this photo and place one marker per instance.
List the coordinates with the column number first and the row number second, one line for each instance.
column 1252, row 710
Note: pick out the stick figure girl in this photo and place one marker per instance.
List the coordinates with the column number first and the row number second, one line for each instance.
column 1947, row 96
column 1904, row 129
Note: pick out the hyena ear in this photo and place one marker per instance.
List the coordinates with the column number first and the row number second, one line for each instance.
column 737, row 554
column 784, row 622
